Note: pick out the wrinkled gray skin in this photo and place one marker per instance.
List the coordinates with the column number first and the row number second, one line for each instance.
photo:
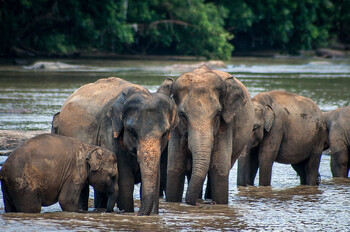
column 50, row 168
column 338, row 128
column 216, row 119
column 129, row 120
column 288, row 129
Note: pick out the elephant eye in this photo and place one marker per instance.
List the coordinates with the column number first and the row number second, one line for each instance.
column 165, row 134
column 183, row 116
column 256, row 127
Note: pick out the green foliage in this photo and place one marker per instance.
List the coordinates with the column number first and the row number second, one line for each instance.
column 183, row 27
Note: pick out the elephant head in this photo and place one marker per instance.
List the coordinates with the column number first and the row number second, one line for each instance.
column 141, row 123
column 206, row 99
column 264, row 120
column 103, row 174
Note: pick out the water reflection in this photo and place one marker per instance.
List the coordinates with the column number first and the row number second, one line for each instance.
column 29, row 98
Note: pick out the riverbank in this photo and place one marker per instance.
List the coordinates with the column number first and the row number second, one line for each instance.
column 10, row 139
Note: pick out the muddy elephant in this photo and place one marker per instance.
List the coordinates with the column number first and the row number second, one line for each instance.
column 338, row 128
column 288, row 129
column 50, row 168
column 216, row 119
column 129, row 120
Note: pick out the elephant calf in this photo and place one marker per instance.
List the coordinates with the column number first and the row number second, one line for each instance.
column 50, row 168
column 338, row 128
column 288, row 129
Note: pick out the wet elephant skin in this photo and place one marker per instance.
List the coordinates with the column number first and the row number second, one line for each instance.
column 288, row 129
column 216, row 119
column 129, row 120
column 50, row 168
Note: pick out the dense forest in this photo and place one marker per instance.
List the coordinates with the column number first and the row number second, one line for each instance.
column 211, row 28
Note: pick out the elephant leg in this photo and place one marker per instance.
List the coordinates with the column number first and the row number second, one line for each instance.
column 100, row 200
column 254, row 166
column 340, row 162
column 27, row 201
column 84, row 198
column 163, row 172
column 9, row 206
column 300, row 169
column 268, row 151
column 68, row 197
column 177, row 161
column 312, row 166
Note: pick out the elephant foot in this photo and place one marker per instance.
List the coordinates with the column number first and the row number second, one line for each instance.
column 205, row 202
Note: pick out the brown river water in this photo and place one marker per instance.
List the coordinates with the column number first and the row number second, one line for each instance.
column 30, row 97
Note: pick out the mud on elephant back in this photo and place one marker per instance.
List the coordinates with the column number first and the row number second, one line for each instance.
column 50, row 168
column 288, row 129
column 132, row 122
column 216, row 120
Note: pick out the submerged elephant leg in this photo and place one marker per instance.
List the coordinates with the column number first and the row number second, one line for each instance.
column 312, row 166
column 27, row 201
column 300, row 169
column 9, row 206
column 100, row 200
column 84, row 198
column 254, row 166
column 177, row 161
column 340, row 163
column 69, row 197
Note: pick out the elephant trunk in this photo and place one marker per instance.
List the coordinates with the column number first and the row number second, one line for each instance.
column 200, row 145
column 149, row 153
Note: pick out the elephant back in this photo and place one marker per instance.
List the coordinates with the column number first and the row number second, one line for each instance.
column 79, row 114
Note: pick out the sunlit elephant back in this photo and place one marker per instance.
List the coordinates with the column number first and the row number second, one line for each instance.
column 127, row 119
column 216, row 120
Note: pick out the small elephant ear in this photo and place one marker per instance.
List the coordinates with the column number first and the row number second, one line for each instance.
column 233, row 100
column 115, row 113
column 166, row 87
column 94, row 159
column 269, row 118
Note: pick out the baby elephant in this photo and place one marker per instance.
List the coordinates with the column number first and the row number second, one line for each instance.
column 50, row 168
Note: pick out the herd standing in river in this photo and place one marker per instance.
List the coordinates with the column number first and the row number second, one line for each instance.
column 113, row 134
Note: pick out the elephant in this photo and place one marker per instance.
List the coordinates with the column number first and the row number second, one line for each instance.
column 338, row 130
column 216, row 118
column 52, row 168
column 288, row 129
column 130, row 121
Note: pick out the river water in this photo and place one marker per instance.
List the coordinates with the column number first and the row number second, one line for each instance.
column 30, row 97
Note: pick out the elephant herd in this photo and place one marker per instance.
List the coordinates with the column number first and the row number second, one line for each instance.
column 113, row 134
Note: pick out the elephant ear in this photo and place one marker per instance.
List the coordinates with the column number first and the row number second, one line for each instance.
column 115, row 113
column 166, row 87
column 269, row 118
column 234, row 99
column 94, row 159
column 175, row 117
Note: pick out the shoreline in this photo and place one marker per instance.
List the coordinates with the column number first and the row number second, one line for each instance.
column 10, row 139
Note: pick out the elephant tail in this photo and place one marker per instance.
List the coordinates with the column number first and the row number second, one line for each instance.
column 54, row 127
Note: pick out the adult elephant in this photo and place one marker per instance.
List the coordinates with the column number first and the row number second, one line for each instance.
column 216, row 120
column 129, row 120
column 288, row 129
column 338, row 128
